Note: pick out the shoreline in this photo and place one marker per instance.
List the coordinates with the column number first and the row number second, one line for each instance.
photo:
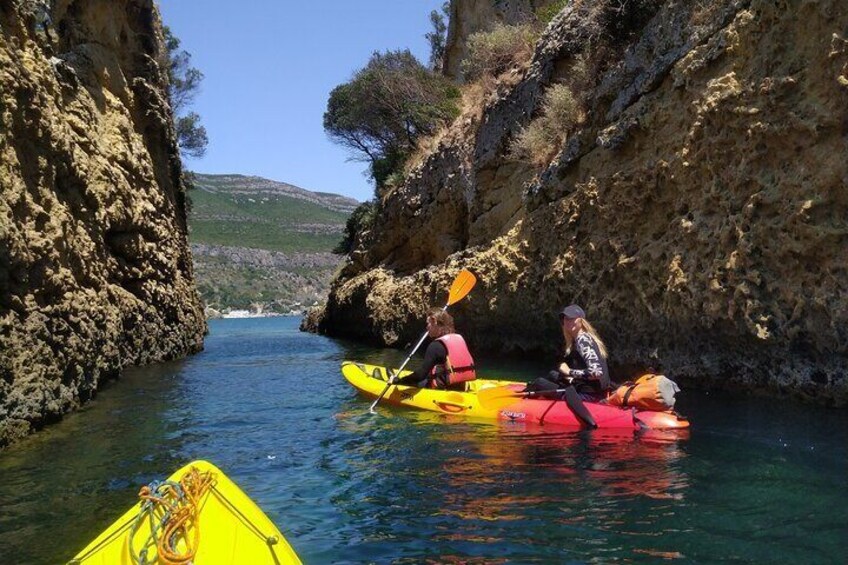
column 243, row 314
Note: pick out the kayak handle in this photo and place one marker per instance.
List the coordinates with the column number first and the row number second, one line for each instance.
column 449, row 403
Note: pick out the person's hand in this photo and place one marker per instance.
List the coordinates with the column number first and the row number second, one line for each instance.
column 564, row 369
column 393, row 379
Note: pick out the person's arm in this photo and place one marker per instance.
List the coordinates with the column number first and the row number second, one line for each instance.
column 436, row 354
column 591, row 355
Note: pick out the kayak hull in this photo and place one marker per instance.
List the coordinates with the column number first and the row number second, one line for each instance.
column 371, row 380
column 233, row 529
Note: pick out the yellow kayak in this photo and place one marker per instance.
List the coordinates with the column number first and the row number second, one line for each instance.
column 371, row 380
column 221, row 525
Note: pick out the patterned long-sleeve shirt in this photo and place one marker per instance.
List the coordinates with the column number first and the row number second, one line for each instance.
column 586, row 362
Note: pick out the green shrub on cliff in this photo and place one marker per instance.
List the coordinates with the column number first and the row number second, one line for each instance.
column 491, row 53
column 183, row 85
column 361, row 219
column 560, row 113
column 549, row 12
column 437, row 38
column 380, row 115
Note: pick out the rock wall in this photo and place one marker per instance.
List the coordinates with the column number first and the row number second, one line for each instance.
column 699, row 213
column 95, row 270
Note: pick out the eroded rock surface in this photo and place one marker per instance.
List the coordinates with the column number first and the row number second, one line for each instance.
column 699, row 213
column 95, row 271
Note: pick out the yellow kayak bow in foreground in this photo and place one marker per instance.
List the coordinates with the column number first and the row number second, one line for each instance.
column 210, row 521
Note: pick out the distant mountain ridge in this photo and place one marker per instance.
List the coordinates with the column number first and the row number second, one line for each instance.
column 262, row 245
column 259, row 186
column 258, row 213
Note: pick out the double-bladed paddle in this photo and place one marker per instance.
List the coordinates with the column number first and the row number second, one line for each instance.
column 462, row 285
column 497, row 397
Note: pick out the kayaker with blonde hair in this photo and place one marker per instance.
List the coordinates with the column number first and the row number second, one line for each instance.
column 583, row 373
column 447, row 361
column 585, row 349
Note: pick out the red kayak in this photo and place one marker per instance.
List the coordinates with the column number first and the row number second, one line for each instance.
column 548, row 411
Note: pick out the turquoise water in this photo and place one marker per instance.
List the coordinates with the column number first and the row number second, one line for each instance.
column 755, row 481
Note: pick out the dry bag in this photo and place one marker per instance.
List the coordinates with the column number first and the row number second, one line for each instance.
column 648, row 392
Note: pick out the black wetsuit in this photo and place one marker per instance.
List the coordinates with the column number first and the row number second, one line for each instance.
column 435, row 355
column 587, row 367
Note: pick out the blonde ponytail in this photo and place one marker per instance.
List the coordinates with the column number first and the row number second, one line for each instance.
column 586, row 327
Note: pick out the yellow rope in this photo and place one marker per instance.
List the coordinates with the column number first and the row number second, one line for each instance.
column 179, row 514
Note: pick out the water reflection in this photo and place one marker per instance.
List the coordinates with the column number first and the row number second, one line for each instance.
column 614, row 462
column 477, row 485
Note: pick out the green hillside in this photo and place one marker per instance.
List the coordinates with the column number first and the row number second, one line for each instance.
column 262, row 245
column 236, row 210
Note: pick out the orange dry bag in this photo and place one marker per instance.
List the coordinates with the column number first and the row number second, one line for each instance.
column 649, row 392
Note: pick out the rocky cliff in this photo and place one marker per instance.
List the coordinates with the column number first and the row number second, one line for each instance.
column 95, row 271
column 699, row 211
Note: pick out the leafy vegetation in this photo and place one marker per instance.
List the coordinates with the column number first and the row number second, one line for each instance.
column 438, row 37
column 262, row 236
column 359, row 221
column 560, row 113
column 226, row 285
column 491, row 53
column 191, row 135
column 394, row 111
column 622, row 18
column 183, row 85
column 608, row 24
column 234, row 214
column 261, row 245
column 382, row 113
column 547, row 13
column 387, row 106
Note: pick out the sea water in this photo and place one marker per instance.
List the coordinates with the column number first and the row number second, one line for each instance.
column 753, row 481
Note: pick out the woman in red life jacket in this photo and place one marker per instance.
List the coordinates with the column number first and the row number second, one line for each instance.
column 447, row 361
column 583, row 374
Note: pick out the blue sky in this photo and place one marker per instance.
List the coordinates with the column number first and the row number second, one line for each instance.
column 269, row 67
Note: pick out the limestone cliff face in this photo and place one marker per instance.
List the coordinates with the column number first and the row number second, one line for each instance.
column 95, row 271
column 699, row 213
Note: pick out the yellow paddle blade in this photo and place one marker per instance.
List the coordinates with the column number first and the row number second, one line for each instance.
column 462, row 285
column 497, row 397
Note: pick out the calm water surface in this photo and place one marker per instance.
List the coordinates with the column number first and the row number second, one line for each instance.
column 755, row 481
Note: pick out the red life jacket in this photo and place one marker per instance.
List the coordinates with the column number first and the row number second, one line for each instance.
column 459, row 366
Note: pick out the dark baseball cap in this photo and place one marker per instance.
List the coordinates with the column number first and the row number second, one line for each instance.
column 572, row 311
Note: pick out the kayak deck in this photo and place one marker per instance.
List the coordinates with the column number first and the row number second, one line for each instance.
column 233, row 529
column 510, row 405
column 371, row 380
